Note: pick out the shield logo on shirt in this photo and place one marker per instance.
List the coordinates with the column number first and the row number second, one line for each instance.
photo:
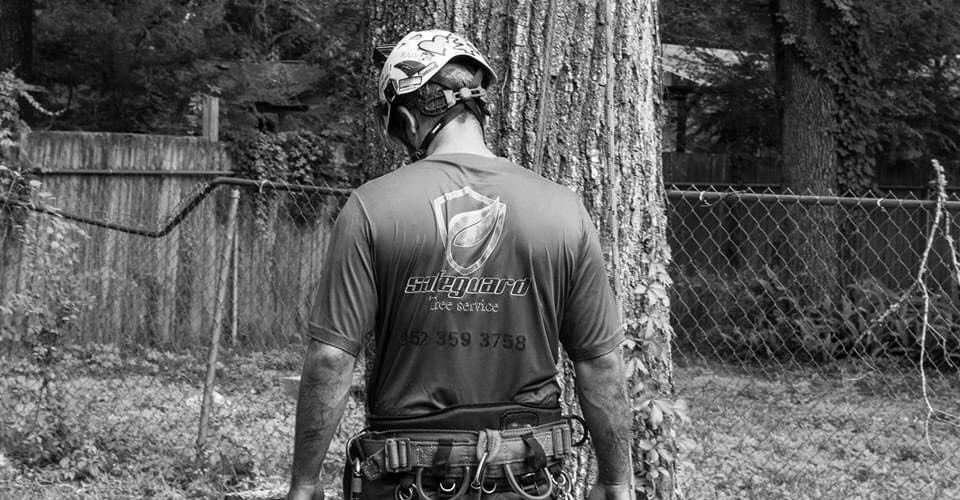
column 470, row 226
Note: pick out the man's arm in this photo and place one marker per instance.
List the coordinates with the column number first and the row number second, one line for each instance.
column 601, row 388
column 324, row 387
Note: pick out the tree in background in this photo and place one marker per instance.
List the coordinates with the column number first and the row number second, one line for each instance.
column 16, row 36
column 891, row 66
column 134, row 66
column 577, row 102
column 808, row 146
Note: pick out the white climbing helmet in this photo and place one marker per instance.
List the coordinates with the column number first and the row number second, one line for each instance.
column 416, row 58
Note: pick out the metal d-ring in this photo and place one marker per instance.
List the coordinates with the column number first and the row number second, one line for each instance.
column 448, row 489
column 492, row 490
column 562, row 482
column 564, row 485
column 418, row 485
column 519, row 490
column 397, row 495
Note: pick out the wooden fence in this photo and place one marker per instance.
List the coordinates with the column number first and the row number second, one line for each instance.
column 163, row 290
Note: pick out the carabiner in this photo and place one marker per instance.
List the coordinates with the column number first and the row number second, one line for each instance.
column 477, row 482
column 583, row 427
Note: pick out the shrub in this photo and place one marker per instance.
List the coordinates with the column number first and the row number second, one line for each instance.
column 767, row 316
column 34, row 319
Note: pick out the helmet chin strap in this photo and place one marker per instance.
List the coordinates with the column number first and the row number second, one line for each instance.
column 419, row 153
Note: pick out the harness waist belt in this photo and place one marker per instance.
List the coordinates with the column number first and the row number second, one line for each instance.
column 456, row 451
column 471, row 417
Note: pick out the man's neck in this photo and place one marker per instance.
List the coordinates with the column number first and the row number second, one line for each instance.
column 460, row 136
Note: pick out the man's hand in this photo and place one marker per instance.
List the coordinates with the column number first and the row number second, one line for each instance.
column 324, row 387
column 610, row 492
column 305, row 492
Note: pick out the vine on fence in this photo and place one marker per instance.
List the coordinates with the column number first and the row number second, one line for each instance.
column 13, row 184
column 300, row 157
column 13, row 130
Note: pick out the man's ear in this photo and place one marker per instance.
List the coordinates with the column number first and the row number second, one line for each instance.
column 406, row 120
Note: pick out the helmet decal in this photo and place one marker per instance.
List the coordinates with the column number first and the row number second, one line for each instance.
column 410, row 67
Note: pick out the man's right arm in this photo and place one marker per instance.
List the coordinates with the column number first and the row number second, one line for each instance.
column 601, row 388
column 324, row 388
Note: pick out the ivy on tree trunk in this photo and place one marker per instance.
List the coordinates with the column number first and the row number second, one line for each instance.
column 577, row 101
column 808, row 145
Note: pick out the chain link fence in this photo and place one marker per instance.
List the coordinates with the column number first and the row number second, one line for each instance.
column 800, row 382
column 801, row 345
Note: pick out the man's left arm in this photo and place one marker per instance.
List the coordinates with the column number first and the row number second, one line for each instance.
column 324, row 389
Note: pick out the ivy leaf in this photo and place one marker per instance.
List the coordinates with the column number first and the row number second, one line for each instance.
column 645, row 444
column 655, row 418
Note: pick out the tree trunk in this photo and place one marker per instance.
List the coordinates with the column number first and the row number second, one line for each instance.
column 16, row 36
column 808, row 147
column 583, row 113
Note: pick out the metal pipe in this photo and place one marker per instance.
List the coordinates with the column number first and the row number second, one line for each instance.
column 809, row 199
column 280, row 186
column 747, row 185
column 217, row 319
column 691, row 186
column 234, row 264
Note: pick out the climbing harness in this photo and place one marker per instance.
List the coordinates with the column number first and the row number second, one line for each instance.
column 451, row 464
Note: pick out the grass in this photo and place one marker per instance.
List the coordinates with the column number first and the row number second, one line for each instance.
column 800, row 434
column 127, row 426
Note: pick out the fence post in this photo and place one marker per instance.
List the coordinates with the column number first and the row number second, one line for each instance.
column 211, row 118
column 217, row 319
column 234, row 321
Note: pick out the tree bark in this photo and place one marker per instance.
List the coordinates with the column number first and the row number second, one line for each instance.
column 16, row 36
column 598, row 133
column 808, row 148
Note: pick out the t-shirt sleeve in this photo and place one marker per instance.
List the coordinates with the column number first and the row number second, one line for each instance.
column 590, row 325
column 344, row 306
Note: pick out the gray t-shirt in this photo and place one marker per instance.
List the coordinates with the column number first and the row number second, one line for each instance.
column 468, row 270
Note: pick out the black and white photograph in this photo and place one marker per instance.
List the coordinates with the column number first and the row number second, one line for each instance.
column 480, row 249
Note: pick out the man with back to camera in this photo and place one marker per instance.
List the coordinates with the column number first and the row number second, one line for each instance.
column 470, row 271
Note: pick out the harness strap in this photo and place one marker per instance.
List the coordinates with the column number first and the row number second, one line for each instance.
column 537, row 458
column 444, row 447
column 421, row 152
